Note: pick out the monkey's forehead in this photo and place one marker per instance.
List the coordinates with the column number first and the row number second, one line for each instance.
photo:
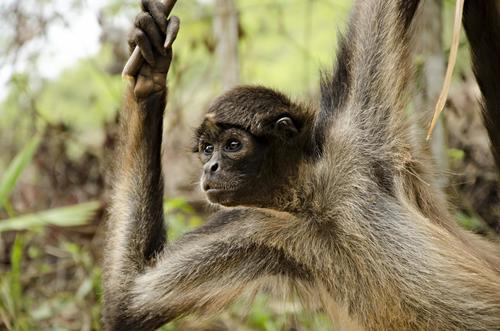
column 213, row 127
column 217, row 122
column 246, row 106
column 243, row 117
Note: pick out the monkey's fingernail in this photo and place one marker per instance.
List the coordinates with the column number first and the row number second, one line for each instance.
column 172, row 30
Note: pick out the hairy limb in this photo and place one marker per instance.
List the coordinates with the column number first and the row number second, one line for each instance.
column 135, row 227
column 482, row 24
column 136, row 232
column 373, row 66
column 206, row 269
column 366, row 96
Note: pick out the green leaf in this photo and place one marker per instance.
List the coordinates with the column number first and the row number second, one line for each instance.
column 179, row 203
column 16, row 167
column 67, row 216
column 16, row 257
column 469, row 222
column 456, row 155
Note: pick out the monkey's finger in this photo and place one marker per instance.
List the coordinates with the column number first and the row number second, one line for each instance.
column 146, row 23
column 135, row 61
column 144, row 46
column 157, row 10
column 172, row 30
column 168, row 5
column 131, row 40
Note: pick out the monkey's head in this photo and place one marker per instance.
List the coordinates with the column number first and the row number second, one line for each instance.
column 250, row 143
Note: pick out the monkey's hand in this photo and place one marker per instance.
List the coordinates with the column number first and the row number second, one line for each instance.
column 153, row 34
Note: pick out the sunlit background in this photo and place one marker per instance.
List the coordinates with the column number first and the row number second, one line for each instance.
column 60, row 95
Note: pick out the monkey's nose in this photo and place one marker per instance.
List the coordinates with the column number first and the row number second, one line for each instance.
column 211, row 167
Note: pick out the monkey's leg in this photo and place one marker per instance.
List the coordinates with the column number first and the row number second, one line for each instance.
column 482, row 24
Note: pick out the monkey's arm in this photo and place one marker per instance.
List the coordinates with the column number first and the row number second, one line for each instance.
column 135, row 230
column 373, row 65
column 206, row 269
column 482, row 24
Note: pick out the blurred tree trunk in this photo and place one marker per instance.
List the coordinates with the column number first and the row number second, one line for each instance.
column 226, row 34
column 482, row 25
column 429, row 47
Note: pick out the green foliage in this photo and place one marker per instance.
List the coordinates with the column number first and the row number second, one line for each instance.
column 456, row 155
column 22, row 309
column 261, row 317
column 83, row 98
column 14, row 308
column 287, row 41
column 469, row 222
column 67, row 216
column 180, row 217
column 16, row 167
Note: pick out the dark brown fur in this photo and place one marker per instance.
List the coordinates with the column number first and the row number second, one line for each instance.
column 350, row 216
column 482, row 24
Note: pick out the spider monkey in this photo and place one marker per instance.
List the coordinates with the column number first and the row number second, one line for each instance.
column 335, row 203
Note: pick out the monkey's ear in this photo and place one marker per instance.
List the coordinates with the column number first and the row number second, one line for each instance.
column 285, row 125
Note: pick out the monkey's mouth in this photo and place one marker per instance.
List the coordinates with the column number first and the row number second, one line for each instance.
column 215, row 189
column 209, row 186
column 218, row 193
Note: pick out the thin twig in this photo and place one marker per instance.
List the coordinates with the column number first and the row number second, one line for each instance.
column 459, row 7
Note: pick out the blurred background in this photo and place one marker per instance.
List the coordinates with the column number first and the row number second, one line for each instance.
column 60, row 96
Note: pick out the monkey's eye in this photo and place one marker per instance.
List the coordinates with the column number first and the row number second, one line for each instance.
column 208, row 149
column 232, row 145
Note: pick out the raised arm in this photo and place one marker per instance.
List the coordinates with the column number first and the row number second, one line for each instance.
column 372, row 71
column 136, row 232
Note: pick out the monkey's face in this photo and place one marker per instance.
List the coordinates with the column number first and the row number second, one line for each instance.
column 249, row 143
column 232, row 166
